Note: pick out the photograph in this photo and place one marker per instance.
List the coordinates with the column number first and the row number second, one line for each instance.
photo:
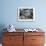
column 26, row 14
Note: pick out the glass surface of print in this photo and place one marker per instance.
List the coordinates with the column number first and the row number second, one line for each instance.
column 26, row 14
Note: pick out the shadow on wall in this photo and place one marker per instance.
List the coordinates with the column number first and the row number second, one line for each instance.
column 2, row 26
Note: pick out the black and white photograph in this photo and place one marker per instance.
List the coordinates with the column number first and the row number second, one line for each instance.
column 26, row 14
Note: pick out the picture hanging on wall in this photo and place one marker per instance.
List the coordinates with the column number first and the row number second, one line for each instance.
column 26, row 14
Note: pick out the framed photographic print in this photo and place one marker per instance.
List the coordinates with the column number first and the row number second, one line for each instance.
column 26, row 14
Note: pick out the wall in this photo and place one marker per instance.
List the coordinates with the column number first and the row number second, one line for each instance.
column 8, row 9
column 8, row 13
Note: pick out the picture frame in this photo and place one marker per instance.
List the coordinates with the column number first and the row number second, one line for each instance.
column 26, row 14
